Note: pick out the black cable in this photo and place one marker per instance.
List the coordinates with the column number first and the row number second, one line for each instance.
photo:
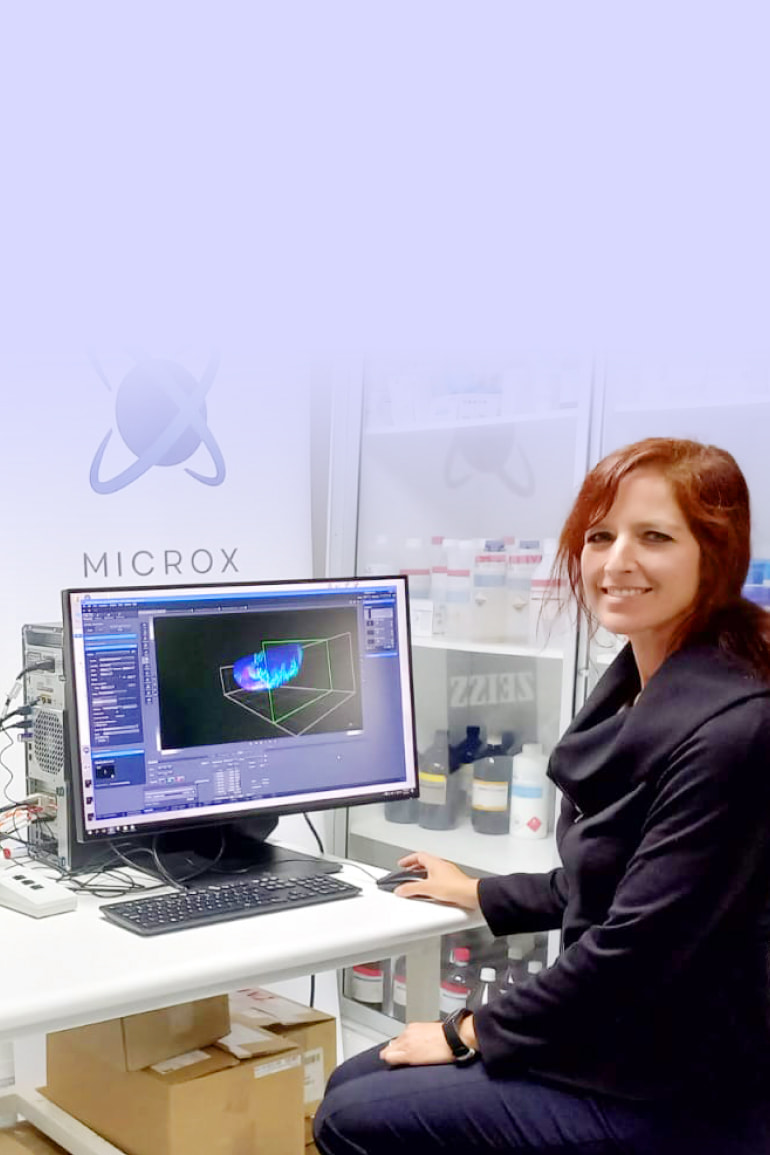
column 13, row 726
column 311, row 1002
column 21, row 802
column 195, row 873
column 363, row 870
column 315, row 834
column 23, row 710
column 85, row 881
column 47, row 664
column 8, row 771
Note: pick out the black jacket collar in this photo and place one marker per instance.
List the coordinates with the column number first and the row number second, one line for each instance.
column 608, row 749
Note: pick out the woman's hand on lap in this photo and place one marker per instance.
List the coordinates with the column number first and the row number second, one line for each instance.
column 419, row 1044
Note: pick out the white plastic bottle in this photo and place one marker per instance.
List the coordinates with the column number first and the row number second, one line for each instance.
column 438, row 579
column 534, row 968
column 485, row 989
column 416, row 566
column 489, row 575
column 460, row 556
column 548, row 617
column 379, row 559
column 521, row 560
column 531, row 793
column 520, row 946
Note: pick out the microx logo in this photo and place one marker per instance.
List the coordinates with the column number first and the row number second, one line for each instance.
column 160, row 413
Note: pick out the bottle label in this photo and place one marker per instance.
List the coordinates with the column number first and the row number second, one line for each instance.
column 433, row 789
column 489, row 796
column 519, row 790
column 490, row 570
column 452, row 996
column 367, row 985
column 399, row 991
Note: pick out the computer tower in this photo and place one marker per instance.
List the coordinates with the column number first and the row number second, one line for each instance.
column 47, row 771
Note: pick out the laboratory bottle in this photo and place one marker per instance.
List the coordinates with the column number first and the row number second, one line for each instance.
column 489, row 578
column 416, row 567
column 548, row 616
column 438, row 583
column 398, row 991
column 522, row 558
column 491, row 797
column 531, row 793
column 520, row 946
column 456, row 983
column 402, row 811
column 379, row 558
column 459, row 576
column 465, row 755
column 368, row 984
column 406, row 810
column 485, row 989
column 440, row 801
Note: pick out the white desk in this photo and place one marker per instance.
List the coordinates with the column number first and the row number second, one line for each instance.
column 77, row 968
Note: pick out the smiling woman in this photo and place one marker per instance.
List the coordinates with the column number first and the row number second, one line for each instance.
column 650, row 1033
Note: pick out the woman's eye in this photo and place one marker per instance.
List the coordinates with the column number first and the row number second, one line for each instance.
column 597, row 536
column 656, row 535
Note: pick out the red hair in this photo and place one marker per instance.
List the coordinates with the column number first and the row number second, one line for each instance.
column 712, row 493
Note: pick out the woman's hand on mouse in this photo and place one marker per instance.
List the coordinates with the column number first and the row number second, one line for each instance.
column 445, row 882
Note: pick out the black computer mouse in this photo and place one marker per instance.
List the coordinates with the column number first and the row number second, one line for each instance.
column 402, row 874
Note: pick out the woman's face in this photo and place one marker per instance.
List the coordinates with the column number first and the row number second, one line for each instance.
column 640, row 565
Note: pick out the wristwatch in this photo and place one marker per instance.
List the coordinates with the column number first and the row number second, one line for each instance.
column 461, row 1051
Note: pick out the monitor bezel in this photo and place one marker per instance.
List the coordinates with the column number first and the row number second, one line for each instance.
column 276, row 809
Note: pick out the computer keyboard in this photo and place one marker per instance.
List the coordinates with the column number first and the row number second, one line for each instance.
column 222, row 902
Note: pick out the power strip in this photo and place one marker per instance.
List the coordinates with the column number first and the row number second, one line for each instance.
column 31, row 893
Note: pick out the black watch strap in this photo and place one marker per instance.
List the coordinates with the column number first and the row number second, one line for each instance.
column 461, row 1051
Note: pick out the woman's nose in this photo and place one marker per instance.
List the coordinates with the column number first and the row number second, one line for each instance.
column 620, row 557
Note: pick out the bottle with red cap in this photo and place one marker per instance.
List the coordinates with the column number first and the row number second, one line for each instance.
column 456, row 983
column 367, row 985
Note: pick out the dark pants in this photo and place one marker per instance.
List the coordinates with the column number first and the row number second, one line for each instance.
column 373, row 1109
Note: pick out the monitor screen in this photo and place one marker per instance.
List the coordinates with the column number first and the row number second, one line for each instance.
column 191, row 705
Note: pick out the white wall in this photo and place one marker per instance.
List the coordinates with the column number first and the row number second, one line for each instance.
column 249, row 434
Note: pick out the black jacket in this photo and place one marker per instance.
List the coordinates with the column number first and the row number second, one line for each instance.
column 662, row 988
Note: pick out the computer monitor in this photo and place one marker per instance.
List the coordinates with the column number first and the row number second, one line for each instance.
column 200, row 712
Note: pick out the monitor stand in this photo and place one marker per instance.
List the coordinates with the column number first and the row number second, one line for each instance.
column 229, row 851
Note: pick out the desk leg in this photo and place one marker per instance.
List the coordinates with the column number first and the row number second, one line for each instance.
column 6, row 1080
column 423, row 976
column 73, row 1136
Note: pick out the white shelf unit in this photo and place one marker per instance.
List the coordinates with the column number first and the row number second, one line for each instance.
column 417, row 475
column 478, row 853
column 468, row 646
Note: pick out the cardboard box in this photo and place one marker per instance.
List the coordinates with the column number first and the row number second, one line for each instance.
column 156, row 1035
column 24, row 1139
column 313, row 1031
column 311, row 1149
column 205, row 1102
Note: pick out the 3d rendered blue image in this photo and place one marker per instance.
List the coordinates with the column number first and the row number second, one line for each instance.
column 268, row 669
